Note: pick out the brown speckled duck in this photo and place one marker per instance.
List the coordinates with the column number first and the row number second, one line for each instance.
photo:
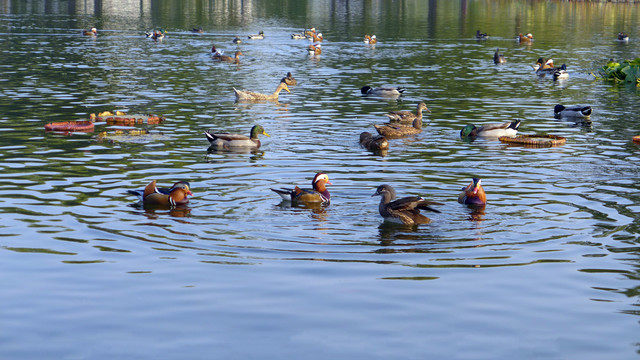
column 405, row 210
column 405, row 116
column 175, row 195
column 229, row 59
column 245, row 95
column 289, row 80
column 226, row 141
column 319, row 193
column 395, row 130
column 373, row 143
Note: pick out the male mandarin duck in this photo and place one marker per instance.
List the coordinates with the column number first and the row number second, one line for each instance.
column 508, row 128
column 623, row 37
column 316, row 37
column 91, row 32
column 372, row 40
column 314, row 49
column 156, row 35
column 473, row 194
column 405, row 210
column 226, row 141
column 310, row 32
column 383, row 91
column 481, row 36
column 245, row 95
column 319, row 193
column 498, row 58
column 405, row 116
column 229, row 59
column 543, row 65
column 524, row 39
column 152, row 195
column 258, row 36
column 397, row 130
column 289, row 80
column 197, row 30
column 572, row 111
column 373, row 143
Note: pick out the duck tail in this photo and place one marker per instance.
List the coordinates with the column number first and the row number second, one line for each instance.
column 586, row 111
column 285, row 194
column 515, row 125
column 401, row 89
column 210, row 136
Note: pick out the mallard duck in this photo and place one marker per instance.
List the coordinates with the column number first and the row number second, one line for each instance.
column 481, row 36
column 383, row 91
column 314, row 49
column 498, row 58
column 152, row 195
column 405, row 210
column 245, row 95
column 572, row 111
column 524, row 39
column 473, row 194
column 198, row 30
column 298, row 36
column 225, row 141
column 405, row 116
column 229, row 59
column 372, row 40
column 508, row 128
column 319, row 193
column 560, row 73
column 623, row 37
column 377, row 143
column 236, row 40
column 289, row 80
column 395, row 130
column 91, row 32
column 258, row 36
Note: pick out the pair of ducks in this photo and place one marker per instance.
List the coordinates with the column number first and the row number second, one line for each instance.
column 406, row 210
column 156, row 35
column 545, row 67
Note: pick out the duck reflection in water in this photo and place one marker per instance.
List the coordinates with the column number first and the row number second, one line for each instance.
column 156, row 211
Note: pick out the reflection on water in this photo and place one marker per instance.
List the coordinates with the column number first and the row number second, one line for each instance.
column 557, row 232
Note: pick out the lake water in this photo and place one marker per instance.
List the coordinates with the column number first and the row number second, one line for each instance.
column 550, row 269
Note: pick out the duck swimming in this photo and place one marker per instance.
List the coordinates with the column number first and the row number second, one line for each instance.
column 318, row 194
column 405, row 210
column 371, row 143
column 258, row 36
column 383, row 91
column 152, row 195
column 473, row 194
column 225, row 141
column 499, row 58
column 508, row 128
column 289, row 80
column 577, row 111
column 396, row 130
column 481, row 36
column 245, row 95
column 404, row 116
column 229, row 59
column 371, row 40
column 91, row 32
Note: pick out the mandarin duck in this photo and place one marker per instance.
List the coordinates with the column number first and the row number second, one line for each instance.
column 316, row 37
column 371, row 40
column 524, row 39
column 383, row 91
column 405, row 116
column 318, row 194
column 397, row 130
column 578, row 111
column 229, row 59
column 91, row 32
column 245, row 95
column 314, row 49
column 215, row 52
column 498, row 58
column 508, row 128
column 310, row 32
column 289, row 80
column 197, row 30
column 473, row 194
column 258, row 36
column 373, row 143
column 481, row 36
column 175, row 195
column 226, row 141
column 405, row 210
column 623, row 37
column 156, row 35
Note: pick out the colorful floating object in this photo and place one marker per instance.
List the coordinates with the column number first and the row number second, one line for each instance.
column 636, row 139
column 535, row 140
column 70, row 126
column 122, row 119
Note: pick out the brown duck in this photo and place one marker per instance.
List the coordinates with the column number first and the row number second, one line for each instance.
column 229, row 59
column 153, row 195
column 395, row 130
column 405, row 116
column 373, row 143
column 289, row 80
column 405, row 210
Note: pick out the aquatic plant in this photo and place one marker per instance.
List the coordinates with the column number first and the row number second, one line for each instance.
column 627, row 71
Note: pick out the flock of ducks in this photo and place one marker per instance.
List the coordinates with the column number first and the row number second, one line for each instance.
column 405, row 210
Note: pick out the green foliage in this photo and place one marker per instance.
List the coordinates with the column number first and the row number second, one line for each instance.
column 628, row 71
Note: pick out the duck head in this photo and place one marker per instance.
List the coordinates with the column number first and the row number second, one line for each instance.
column 258, row 130
column 469, row 131
column 320, row 180
column 386, row 191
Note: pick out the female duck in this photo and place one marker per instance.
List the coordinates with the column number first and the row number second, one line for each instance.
column 499, row 58
column 229, row 59
column 405, row 116
column 405, row 210
column 245, row 95
column 225, row 141
column 319, row 193
column 152, row 195
column 392, row 131
column 371, row 143
column 473, row 194
column 383, row 91
column 508, row 128
column 289, row 80
column 481, row 36
column 572, row 111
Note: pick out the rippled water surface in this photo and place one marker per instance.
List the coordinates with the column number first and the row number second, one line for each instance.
column 549, row 269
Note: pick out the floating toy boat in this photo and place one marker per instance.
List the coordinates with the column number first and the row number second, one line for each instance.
column 70, row 126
